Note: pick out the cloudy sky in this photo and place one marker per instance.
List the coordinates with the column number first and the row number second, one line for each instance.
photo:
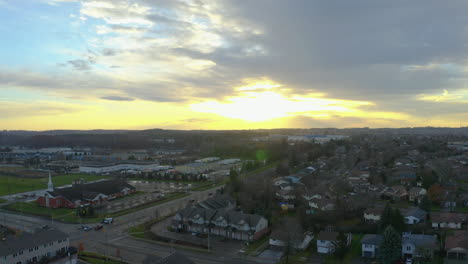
column 232, row 64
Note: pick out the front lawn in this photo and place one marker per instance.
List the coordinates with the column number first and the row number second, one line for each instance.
column 94, row 258
column 256, row 245
column 12, row 185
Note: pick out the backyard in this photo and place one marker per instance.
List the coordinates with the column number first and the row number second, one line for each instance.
column 12, row 185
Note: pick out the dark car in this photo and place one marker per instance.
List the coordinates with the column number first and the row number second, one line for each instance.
column 98, row 227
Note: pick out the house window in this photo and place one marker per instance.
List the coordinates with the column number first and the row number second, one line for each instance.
column 408, row 248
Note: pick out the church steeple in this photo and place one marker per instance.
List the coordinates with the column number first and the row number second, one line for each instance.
column 50, row 185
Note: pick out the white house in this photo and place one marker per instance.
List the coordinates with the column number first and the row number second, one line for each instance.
column 414, row 215
column 326, row 241
column 373, row 214
column 448, row 220
column 370, row 245
column 416, row 194
column 279, row 239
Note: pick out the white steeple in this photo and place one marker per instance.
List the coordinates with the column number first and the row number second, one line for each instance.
column 50, row 185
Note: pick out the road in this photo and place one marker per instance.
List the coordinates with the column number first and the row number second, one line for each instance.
column 114, row 240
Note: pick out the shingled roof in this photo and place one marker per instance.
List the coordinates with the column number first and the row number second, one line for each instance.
column 372, row 239
column 448, row 217
column 89, row 191
column 459, row 239
column 13, row 244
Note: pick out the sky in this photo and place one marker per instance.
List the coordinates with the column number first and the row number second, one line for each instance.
column 232, row 64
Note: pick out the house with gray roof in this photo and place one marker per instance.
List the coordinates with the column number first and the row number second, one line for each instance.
column 33, row 247
column 418, row 246
column 414, row 215
column 370, row 245
column 326, row 241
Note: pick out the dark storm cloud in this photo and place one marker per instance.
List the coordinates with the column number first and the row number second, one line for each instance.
column 354, row 48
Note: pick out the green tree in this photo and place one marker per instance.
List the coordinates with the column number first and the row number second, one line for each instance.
column 390, row 249
column 386, row 218
column 425, row 204
column 398, row 221
column 341, row 246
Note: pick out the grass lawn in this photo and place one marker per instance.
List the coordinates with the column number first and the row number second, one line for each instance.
column 256, row 245
column 12, row 185
column 207, row 186
column 69, row 215
column 95, row 258
column 2, row 201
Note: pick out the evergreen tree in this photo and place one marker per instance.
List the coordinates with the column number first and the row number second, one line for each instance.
column 425, row 204
column 398, row 221
column 390, row 249
column 341, row 246
column 386, row 218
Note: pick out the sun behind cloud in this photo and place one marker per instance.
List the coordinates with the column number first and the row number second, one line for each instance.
column 261, row 100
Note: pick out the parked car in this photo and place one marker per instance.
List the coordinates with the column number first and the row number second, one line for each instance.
column 98, row 227
column 46, row 227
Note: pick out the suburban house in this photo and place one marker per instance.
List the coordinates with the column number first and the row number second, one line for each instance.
column 370, row 245
column 322, row 204
column 416, row 194
column 311, row 195
column 405, row 176
column 373, row 214
column 414, row 215
column 281, row 180
column 33, row 247
column 418, row 246
column 396, row 193
column 326, row 241
column 456, row 245
column 450, row 199
column 280, row 239
column 223, row 222
column 285, row 195
column 286, row 187
column 448, row 220
column 81, row 193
